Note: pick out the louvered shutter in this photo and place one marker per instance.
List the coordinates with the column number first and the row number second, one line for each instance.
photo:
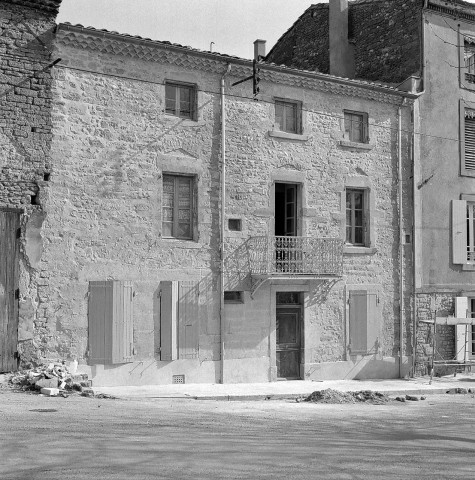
column 469, row 134
column 459, row 231
column 110, row 322
column 168, row 320
column 462, row 332
column 188, row 319
column 364, row 322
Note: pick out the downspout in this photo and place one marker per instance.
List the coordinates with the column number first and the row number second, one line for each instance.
column 401, row 246
column 223, row 221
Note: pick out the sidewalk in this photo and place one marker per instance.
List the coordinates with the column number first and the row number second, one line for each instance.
column 290, row 389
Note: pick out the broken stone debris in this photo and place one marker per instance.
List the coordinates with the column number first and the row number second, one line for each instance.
column 54, row 376
column 334, row 396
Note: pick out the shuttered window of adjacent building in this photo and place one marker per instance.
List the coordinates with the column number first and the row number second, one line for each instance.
column 179, row 320
column 469, row 137
column 110, row 322
column 463, row 232
column 363, row 322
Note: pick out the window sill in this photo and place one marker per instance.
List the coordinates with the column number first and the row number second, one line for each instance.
column 288, row 136
column 186, row 122
column 181, row 242
column 468, row 267
column 348, row 249
column 357, row 145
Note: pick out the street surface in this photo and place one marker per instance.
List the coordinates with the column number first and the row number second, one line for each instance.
column 87, row 438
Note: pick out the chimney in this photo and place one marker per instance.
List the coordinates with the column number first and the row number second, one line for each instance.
column 259, row 49
column 342, row 61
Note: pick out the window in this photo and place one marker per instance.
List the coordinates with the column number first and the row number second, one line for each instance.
column 177, row 207
column 234, row 224
column 356, row 127
column 356, row 216
column 233, row 297
column 469, row 59
column 180, row 100
column 364, row 322
column 110, row 322
column 463, row 232
column 288, row 116
column 468, row 139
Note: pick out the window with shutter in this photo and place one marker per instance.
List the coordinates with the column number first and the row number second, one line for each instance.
column 177, row 207
column 110, row 322
column 463, row 232
column 469, row 59
column 363, row 321
column 179, row 320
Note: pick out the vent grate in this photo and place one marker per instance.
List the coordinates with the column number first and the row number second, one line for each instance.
column 178, row 379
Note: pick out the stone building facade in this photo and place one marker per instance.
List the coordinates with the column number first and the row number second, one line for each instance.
column 432, row 40
column 130, row 265
column 26, row 35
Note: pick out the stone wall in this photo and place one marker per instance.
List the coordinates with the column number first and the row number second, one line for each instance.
column 427, row 306
column 386, row 35
column 26, row 33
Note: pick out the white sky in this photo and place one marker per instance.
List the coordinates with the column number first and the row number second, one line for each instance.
column 232, row 25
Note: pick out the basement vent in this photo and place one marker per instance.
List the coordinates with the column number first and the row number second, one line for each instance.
column 178, row 379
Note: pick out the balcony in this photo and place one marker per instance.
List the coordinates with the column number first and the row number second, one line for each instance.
column 295, row 256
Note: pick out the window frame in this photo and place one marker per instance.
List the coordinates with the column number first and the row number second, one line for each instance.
column 297, row 105
column 364, row 130
column 466, row 78
column 193, row 88
column 365, row 220
column 175, row 222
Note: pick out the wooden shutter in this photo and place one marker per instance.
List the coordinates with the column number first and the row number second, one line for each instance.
column 459, row 231
column 168, row 320
column 469, row 141
column 462, row 332
column 110, row 322
column 363, row 322
column 9, row 265
column 188, row 319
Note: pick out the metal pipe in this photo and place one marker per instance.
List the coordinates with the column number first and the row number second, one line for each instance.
column 401, row 246
column 223, row 221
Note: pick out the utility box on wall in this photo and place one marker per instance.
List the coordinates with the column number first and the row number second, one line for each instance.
column 110, row 322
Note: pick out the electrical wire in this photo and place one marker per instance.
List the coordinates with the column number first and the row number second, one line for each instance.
column 243, row 97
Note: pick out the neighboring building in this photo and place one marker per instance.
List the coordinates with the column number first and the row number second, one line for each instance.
column 26, row 34
column 132, row 236
column 391, row 41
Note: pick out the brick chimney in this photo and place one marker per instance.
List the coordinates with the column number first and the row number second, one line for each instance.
column 259, row 49
column 342, row 60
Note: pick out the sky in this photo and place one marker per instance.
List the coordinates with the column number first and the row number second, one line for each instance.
column 232, row 25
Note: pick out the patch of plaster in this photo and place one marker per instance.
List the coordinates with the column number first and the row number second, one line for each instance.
column 33, row 239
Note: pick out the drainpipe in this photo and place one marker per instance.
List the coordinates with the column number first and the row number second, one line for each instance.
column 223, row 220
column 401, row 246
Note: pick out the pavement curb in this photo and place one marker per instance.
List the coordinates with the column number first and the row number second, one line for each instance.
column 278, row 396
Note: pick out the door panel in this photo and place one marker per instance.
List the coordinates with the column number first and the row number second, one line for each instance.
column 9, row 251
column 288, row 343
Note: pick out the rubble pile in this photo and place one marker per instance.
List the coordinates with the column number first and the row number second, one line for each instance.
column 334, row 396
column 53, row 377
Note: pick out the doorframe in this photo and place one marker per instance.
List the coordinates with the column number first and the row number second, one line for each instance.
column 304, row 290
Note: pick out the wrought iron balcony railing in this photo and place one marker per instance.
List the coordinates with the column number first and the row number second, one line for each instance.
column 296, row 256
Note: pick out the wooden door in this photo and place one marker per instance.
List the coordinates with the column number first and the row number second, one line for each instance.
column 288, row 336
column 9, row 253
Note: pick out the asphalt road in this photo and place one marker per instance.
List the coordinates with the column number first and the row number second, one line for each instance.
column 83, row 438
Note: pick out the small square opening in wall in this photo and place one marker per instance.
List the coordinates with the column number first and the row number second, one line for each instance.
column 235, row 225
column 233, row 297
column 178, row 379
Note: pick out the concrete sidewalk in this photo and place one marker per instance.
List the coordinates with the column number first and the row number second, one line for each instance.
column 290, row 389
